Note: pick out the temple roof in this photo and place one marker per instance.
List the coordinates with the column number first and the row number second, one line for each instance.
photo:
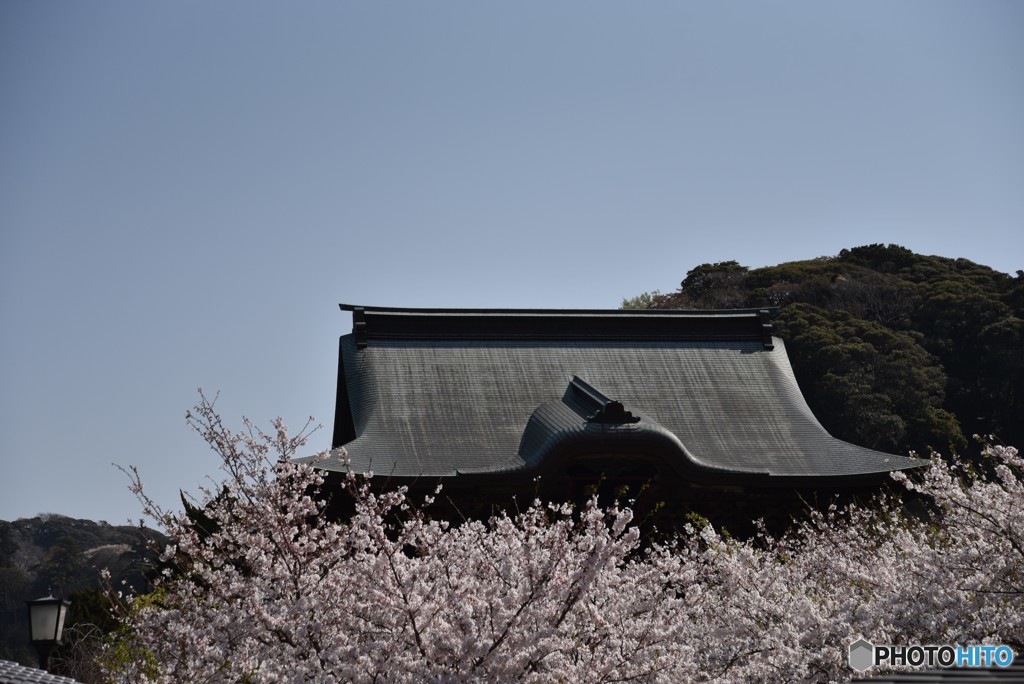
column 449, row 392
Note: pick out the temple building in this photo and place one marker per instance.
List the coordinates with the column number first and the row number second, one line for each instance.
column 684, row 407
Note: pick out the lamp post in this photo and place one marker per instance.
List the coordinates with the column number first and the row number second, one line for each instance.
column 46, row 625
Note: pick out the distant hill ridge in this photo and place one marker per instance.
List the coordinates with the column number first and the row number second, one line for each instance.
column 52, row 553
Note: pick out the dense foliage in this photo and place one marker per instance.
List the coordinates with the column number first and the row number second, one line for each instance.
column 894, row 350
column 265, row 588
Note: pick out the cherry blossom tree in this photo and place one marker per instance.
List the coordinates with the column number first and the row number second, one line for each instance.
column 266, row 588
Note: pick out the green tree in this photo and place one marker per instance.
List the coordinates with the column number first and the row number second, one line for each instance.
column 645, row 300
column 882, row 258
column 868, row 384
column 716, row 286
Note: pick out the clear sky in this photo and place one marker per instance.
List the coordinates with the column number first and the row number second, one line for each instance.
column 188, row 189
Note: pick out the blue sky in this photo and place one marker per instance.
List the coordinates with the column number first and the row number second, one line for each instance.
column 188, row 189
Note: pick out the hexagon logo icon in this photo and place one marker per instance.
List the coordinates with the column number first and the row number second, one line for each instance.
column 861, row 655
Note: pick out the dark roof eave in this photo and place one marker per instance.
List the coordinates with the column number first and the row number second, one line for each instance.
column 695, row 475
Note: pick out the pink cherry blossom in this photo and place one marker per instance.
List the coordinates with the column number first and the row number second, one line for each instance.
column 275, row 591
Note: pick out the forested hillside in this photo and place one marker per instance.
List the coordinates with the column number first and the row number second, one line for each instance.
column 894, row 350
column 63, row 556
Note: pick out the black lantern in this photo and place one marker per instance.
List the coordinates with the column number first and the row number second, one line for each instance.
column 46, row 625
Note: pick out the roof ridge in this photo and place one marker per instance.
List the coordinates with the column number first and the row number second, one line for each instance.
column 456, row 311
column 389, row 324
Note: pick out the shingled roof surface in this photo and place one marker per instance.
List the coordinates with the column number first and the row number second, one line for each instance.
column 456, row 392
column 13, row 673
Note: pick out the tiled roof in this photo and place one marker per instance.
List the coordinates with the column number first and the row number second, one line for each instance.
column 448, row 392
column 13, row 673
